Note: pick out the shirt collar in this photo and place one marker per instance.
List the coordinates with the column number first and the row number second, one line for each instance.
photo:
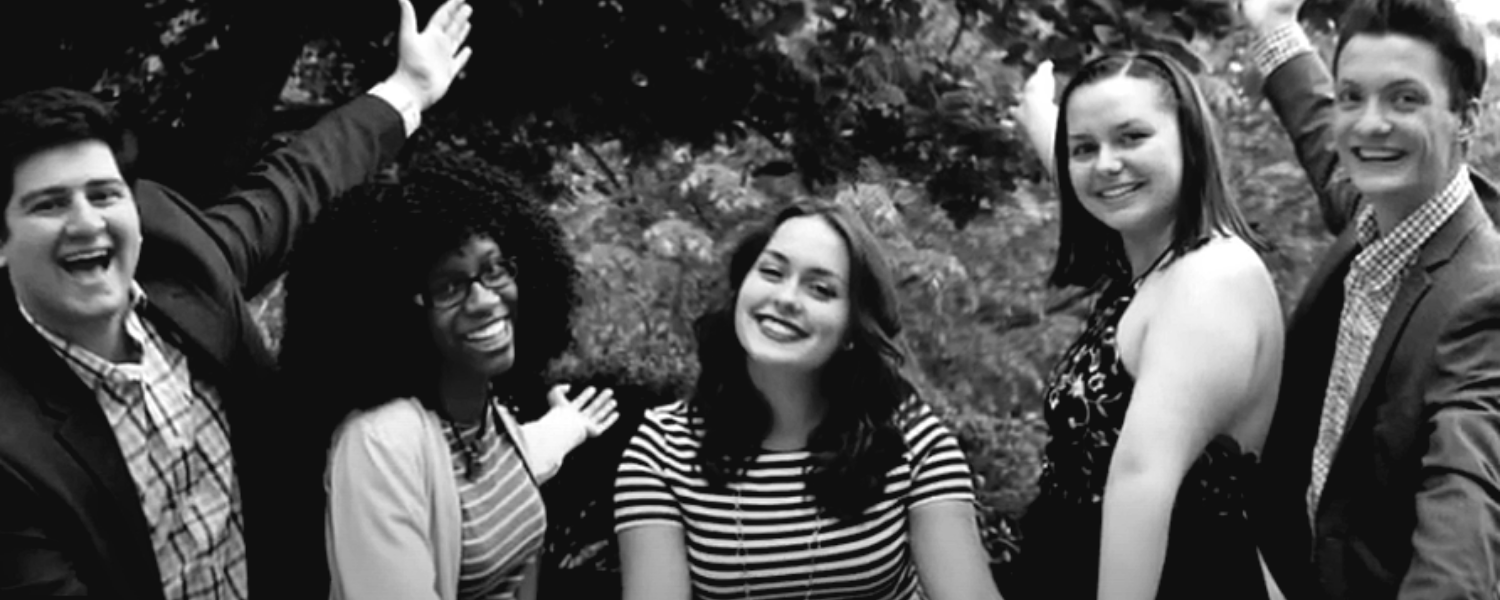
column 1367, row 230
column 132, row 326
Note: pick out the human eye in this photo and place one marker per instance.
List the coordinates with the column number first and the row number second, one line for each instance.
column 1408, row 99
column 769, row 270
column 497, row 274
column 1134, row 137
column 106, row 195
column 445, row 290
column 1349, row 97
column 824, row 290
column 47, row 204
column 1082, row 150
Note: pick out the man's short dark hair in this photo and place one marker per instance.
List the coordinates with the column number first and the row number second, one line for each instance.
column 1457, row 39
column 40, row 120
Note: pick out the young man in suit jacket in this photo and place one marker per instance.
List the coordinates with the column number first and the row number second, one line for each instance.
column 138, row 439
column 1382, row 466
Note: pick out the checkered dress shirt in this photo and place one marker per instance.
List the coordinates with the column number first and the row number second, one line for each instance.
column 1369, row 288
column 172, row 432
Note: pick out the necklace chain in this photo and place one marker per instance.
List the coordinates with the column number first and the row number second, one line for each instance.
column 814, row 544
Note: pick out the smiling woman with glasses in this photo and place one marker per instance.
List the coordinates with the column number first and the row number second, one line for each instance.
column 450, row 289
column 406, row 306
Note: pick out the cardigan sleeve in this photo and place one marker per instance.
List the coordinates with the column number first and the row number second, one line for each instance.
column 379, row 543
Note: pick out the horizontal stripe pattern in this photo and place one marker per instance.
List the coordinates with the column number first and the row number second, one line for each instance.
column 503, row 515
column 762, row 538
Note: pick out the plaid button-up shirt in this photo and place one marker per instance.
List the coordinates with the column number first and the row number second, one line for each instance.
column 172, row 432
column 1369, row 288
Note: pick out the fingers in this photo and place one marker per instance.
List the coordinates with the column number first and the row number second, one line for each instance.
column 557, row 396
column 604, row 425
column 1043, row 81
column 458, row 25
column 408, row 17
column 599, row 406
column 460, row 60
column 601, row 413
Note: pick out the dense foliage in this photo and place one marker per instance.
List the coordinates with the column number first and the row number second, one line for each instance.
column 661, row 128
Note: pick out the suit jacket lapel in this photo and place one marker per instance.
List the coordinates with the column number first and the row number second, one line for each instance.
column 194, row 317
column 79, row 423
column 1432, row 256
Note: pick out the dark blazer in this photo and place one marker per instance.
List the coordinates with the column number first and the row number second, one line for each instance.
column 1411, row 507
column 71, row 522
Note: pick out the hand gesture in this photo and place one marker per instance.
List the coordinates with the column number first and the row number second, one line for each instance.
column 429, row 60
column 1264, row 15
column 1041, row 87
column 1037, row 113
column 596, row 408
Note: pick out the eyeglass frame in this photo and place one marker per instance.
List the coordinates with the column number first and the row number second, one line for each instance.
column 510, row 275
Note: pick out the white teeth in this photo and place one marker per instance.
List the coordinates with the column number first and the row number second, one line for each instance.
column 88, row 260
column 778, row 330
column 1368, row 154
column 87, row 255
column 498, row 328
column 1116, row 192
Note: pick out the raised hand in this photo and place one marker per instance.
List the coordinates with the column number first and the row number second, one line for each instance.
column 596, row 408
column 429, row 60
column 1037, row 113
column 1265, row 15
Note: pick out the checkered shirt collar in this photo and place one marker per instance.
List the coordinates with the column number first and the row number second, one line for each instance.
column 93, row 363
column 1384, row 256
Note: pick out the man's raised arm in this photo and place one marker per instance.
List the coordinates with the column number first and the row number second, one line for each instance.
column 1300, row 89
column 257, row 223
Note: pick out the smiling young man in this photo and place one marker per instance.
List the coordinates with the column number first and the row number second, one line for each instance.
column 139, row 442
column 1382, row 467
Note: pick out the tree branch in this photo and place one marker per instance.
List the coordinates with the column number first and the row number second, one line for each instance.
column 599, row 162
column 958, row 32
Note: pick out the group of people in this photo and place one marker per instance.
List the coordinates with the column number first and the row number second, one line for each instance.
column 1199, row 447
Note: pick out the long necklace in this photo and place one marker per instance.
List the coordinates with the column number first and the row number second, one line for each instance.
column 813, row 546
column 471, row 445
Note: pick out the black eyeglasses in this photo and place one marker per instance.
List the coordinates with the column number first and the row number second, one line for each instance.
column 448, row 292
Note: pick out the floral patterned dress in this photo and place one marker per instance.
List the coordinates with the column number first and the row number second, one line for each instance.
column 1210, row 548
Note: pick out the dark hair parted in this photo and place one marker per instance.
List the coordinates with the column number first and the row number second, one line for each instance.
column 1458, row 40
column 354, row 334
column 41, row 120
column 859, row 440
column 1088, row 250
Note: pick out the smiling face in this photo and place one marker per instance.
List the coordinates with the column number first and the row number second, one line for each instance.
column 1125, row 154
column 474, row 337
column 792, row 309
column 1396, row 131
column 73, row 237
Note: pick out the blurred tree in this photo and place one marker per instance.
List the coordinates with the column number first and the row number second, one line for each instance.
column 922, row 86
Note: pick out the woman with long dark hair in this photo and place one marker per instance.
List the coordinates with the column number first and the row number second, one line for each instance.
column 1157, row 411
column 424, row 312
column 803, row 465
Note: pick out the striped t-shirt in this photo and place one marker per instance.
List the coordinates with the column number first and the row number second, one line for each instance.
column 503, row 515
column 762, row 537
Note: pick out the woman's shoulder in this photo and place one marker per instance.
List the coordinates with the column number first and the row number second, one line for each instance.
column 1224, row 266
column 1218, row 253
column 399, row 423
column 672, row 419
column 919, row 423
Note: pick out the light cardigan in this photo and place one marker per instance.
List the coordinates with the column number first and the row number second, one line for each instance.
column 393, row 526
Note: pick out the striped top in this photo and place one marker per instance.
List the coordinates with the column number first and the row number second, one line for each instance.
column 503, row 515
column 762, row 537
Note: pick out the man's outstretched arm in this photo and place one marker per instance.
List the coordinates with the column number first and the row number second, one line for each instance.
column 1300, row 88
column 256, row 224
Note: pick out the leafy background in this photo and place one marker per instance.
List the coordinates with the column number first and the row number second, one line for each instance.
column 661, row 129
